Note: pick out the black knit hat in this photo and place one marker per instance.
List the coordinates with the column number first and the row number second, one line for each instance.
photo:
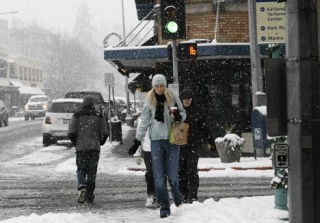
column 88, row 101
column 186, row 94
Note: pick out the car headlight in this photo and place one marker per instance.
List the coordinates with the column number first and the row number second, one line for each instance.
column 45, row 107
column 26, row 107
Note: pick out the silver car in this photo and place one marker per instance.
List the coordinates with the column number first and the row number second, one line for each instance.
column 4, row 114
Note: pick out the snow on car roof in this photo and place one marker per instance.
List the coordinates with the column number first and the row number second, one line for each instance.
column 38, row 96
column 78, row 100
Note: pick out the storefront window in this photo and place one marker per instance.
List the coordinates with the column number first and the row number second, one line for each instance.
column 21, row 73
column 25, row 73
column 3, row 68
column 37, row 75
column 41, row 77
column 11, row 70
column 29, row 74
column 33, row 75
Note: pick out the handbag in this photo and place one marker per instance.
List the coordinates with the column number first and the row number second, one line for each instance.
column 179, row 133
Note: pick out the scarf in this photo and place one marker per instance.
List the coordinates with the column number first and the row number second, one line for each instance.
column 160, row 107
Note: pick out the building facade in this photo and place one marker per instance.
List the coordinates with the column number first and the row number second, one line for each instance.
column 220, row 76
column 20, row 76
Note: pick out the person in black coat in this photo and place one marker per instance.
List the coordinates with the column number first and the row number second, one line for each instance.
column 87, row 131
column 198, row 135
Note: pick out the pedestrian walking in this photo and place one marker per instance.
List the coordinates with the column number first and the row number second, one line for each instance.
column 157, row 117
column 144, row 151
column 198, row 135
column 87, row 131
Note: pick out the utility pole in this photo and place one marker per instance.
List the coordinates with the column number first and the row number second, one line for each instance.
column 126, row 77
column 303, row 114
column 256, row 73
column 175, row 62
column 5, row 13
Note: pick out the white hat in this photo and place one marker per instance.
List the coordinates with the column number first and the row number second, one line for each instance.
column 159, row 79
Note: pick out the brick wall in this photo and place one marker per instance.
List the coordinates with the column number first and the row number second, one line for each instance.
column 233, row 21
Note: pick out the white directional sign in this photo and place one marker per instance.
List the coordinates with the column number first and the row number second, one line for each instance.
column 281, row 156
column 109, row 79
column 270, row 21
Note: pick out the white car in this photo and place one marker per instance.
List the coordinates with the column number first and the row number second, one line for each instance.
column 55, row 125
column 37, row 106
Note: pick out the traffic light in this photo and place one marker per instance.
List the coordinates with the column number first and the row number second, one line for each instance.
column 187, row 51
column 173, row 19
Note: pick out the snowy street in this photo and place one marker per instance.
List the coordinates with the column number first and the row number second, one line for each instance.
column 41, row 181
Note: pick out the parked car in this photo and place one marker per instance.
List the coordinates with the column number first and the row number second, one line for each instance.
column 55, row 125
column 37, row 106
column 99, row 102
column 122, row 101
column 4, row 114
column 117, row 106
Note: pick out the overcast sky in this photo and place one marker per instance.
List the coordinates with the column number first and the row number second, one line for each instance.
column 60, row 15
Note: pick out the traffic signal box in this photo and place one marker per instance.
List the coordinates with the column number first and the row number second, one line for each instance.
column 276, row 90
column 173, row 19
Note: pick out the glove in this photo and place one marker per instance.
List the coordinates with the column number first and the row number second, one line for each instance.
column 103, row 139
column 134, row 148
column 177, row 116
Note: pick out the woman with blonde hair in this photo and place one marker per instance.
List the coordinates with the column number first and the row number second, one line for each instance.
column 158, row 116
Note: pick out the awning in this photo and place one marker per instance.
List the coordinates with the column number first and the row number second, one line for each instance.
column 145, row 57
column 23, row 89
column 142, row 81
column 160, row 52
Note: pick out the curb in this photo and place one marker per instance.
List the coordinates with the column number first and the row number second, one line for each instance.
column 213, row 168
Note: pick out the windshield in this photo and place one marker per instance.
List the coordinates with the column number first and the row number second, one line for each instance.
column 65, row 107
column 96, row 97
column 40, row 99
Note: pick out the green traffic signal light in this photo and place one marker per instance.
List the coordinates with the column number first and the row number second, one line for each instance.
column 172, row 27
column 173, row 21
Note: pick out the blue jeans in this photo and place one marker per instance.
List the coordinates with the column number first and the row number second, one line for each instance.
column 87, row 164
column 165, row 165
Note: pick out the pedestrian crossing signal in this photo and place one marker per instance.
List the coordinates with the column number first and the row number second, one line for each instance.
column 187, row 51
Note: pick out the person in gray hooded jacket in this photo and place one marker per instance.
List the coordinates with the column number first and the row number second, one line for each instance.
column 157, row 117
column 87, row 131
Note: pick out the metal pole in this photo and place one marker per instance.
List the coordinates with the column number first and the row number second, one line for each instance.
column 5, row 13
column 123, row 24
column 303, row 111
column 256, row 73
column 109, row 114
column 124, row 43
column 128, row 101
column 175, row 62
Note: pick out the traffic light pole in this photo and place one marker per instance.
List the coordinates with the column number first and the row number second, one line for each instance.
column 256, row 71
column 303, row 110
column 175, row 62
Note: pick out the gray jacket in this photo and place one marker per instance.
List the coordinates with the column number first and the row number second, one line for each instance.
column 157, row 130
